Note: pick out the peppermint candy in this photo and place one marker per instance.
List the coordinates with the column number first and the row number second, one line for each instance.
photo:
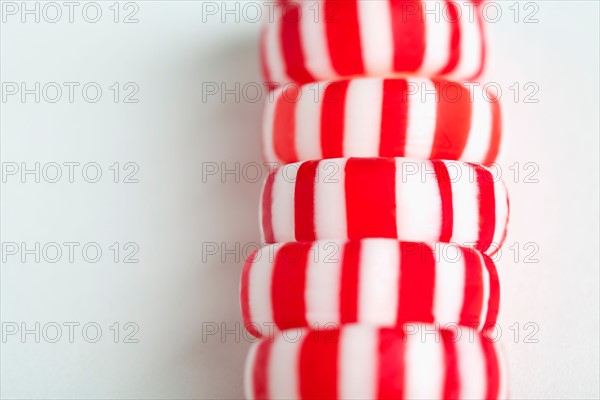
column 310, row 41
column 400, row 198
column 376, row 117
column 361, row 362
column 378, row 282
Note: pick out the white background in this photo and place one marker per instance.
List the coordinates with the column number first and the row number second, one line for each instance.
column 171, row 134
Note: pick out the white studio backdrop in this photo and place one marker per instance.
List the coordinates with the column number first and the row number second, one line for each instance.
column 145, row 291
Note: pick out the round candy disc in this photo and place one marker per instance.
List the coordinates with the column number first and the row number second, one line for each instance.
column 359, row 362
column 379, row 282
column 308, row 41
column 376, row 117
column 405, row 199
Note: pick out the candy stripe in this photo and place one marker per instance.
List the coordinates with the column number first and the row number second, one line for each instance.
column 473, row 294
column 472, row 365
column 453, row 120
column 438, row 34
column 350, row 286
column 452, row 377
column 375, row 23
column 284, row 380
column 487, row 212
column 450, row 272
column 368, row 179
column 391, row 366
column 307, row 139
column 493, row 305
column 260, row 378
column 371, row 117
column 481, row 134
column 417, row 283
column 284, row 124
column 492, row 368
column 343, row 36
column 293, row 52
column 394, row 114
column 424, row 357
column 266, row 205
column 443, row 180
column 282, row 203
column 248, row 374
column 314, row 41
column 408, row 31
column 496, row 133
column 376, row 282
column 502, row 211
column 418, row 203
column 486, row 292
column 319, row 365
column 358, row 380
column 245, row 295
column 274, row 61
column 331, row 223
column 483, row 46
column 332, row 118
column 304, row 198
column 263, row 54
column 471, row 60
column 268, row 129
column 260, row 278
column 363, row 117
column 287, row 292
column 377, row 302
column 422, row 118
column 323, row 285
column 465, row 202
column 453, row 20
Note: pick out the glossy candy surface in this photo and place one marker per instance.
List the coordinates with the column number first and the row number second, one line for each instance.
column 360, row 362
column 309, row 41
column 378, row 282
column 400, row 198
column 375, row 117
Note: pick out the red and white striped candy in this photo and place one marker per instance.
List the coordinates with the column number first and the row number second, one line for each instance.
column 405, row 199
column 376, row 117
column 380, row 282
column 360, row 362
column 310, row 41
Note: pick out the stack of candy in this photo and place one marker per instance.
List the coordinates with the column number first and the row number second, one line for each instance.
column 377, row 278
